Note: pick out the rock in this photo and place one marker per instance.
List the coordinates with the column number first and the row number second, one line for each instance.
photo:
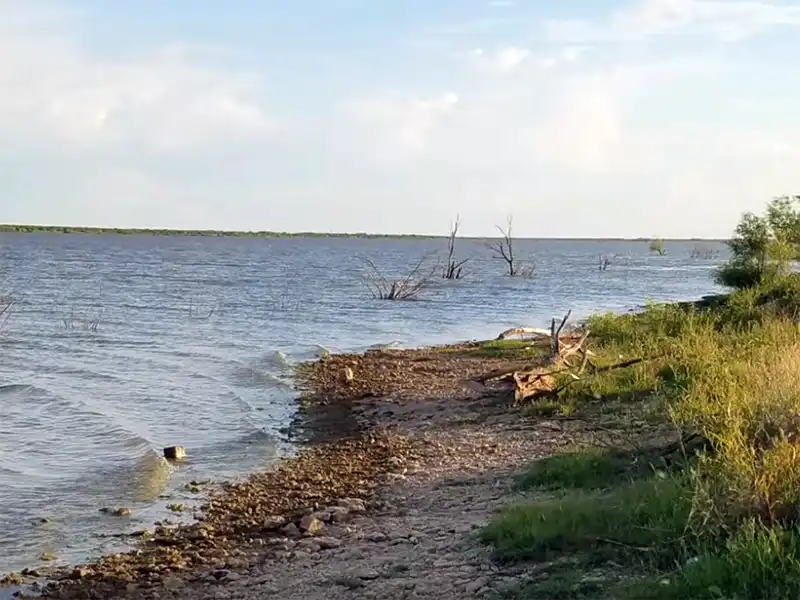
column 311, row 525
column 475, row 586
column 338, row 514
column 291, row 530
column 117, row 512
column 367, row 574
column 47, row 556
column 323, row 516
column 274, row 523
column 80, row 573
column 328, row 543
column 377, row 537
column 353, row 505
column 347, row 375
column 177, row 508
column 309, row 545
column 174, row 452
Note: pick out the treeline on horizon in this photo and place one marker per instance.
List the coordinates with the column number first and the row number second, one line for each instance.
column 59, row 229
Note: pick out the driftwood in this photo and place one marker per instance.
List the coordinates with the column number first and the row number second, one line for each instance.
column 533, row 383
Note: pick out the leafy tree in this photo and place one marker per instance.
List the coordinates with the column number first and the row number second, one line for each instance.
column 657, row 247
column 763, row 247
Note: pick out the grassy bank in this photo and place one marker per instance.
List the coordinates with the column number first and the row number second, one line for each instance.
column 717, row 518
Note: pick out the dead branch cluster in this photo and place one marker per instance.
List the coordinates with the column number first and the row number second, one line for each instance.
column 410, row 285
column 569, row 358
column 406, row 288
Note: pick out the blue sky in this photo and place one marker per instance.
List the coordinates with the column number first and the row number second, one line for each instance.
column 579, row 118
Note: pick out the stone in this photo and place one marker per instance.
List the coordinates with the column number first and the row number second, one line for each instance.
column 328, row 543
column 80, row 573
column 353, row 505
column 338, row 514
column 367, row 574
column 117, row 512
column 309, row 545
column 311, row 525
column 475, row 586
column 291, row 530
column 377, row 537
column 174, row 452
column 323, row 515
column 274, row 523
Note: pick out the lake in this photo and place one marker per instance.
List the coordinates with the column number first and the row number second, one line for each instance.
column 120, row 345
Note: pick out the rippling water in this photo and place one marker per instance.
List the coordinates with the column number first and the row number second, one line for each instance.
column 118, row 346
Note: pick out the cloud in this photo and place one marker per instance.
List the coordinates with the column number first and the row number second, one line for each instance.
column 727, row 20
column 169, row 99
column 399, row 121
column 609, row 111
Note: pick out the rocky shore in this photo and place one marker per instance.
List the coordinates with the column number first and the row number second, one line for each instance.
column 403, row 462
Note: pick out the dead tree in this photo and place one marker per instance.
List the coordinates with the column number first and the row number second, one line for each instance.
column 503, row 248
column 405, row 288
column 453, row 269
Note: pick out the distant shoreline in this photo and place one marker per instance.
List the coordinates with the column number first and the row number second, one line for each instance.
column 57, row 229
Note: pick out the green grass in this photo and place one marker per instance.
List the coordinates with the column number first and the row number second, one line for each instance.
column 589, row 470
column 727, row 526
column 643, row 519
column 754, row 563
column 508, row 349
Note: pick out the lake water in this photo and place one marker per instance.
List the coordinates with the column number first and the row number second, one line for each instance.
column 118, row 346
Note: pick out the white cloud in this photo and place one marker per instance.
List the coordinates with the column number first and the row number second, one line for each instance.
column 511, row 57
column 405, row 121
column 728, row 20
column 55, row 89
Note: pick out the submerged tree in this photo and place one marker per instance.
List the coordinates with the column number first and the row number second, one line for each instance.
column 763, row 247
column 657, row 247
column 453, row 269
column 503, row 248
column 407, row 287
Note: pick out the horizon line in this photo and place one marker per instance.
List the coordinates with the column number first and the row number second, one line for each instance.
column 169, row 231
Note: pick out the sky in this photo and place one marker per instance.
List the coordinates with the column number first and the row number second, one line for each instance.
column 578, row 118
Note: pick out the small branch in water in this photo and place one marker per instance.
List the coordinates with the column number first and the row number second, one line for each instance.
column 407, row 288
column 453, row 269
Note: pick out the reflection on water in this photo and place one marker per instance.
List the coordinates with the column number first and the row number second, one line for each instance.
column 119, row 346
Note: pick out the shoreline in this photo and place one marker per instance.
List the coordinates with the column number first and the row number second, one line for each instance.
column 353, row 439
column 363, row 434
column 171, row 232
column 350, row 449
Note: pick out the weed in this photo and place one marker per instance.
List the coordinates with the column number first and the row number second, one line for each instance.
column 644, row 519
column 588, row 470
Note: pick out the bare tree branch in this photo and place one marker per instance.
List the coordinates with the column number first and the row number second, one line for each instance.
column 407, row 288
column 503, row 248
column 453, row 269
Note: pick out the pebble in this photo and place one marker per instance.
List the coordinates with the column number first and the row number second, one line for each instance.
column 328, row 543
column 476, row 586
column 311, row 525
